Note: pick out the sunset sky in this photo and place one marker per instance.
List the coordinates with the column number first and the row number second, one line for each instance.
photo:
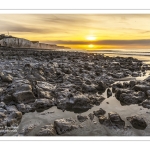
column 81, row 31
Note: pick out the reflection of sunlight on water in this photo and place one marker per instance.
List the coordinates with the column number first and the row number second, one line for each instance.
column 138, row 54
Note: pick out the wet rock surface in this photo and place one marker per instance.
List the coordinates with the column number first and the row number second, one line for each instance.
column 34, row 81
column 113, row 120
column 116, row 120
column 99, row 112
column 47, row 130
column 82, row 118
column 64, row 125
column 137, row 122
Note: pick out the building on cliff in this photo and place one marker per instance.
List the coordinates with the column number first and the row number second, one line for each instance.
column 14, row 42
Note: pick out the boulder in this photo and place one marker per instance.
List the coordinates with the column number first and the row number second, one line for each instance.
column 135, row 74
column 64, row 125
column 96, row 99
column 99, row 112
column 23, row 97
column 2, row 116
column 101, row 86
column 116, row 120
column 82, row 118
column 89, row 88
column 27, row 129
column 47, row 130
column 20, row 91
column 137, row 122
column 116, row 86
column 11, row 109
column 25, row 108
column 6, row 77
column 104, row 120
column 2, row 105
column 146, row 103
column 141, row 87
column 91, row 116
column 78, row 102
column 43, row 103
column 109, row 93
column 45, row 89
column 148, row 93
column 128, row 97
column 132, row 83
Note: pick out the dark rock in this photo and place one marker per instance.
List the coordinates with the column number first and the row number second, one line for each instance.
column 82, row 118
column 101, row 86
column 99, row 112
column 43, row 103
column 16, row 115
column 2, row 105
column 64, row 125
column 116, row 120
column 132, row 83
column 24, row 97
column 127, row 97
column 44, row 89
column 103, row 120
column 96, row 99
column 89, row 88
column 91, row 116
column 47, row 130
column 147, row 79
column 19, row 91
column 116, row 86
column 11, row 109
column 78, row 102
column 109, row 93
column 146, row 103
column 2, row 115
column 137, row 122
column 6, row 78
column 141, row 87
column 27, row 129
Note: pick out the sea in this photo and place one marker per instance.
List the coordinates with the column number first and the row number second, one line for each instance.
column 141, row 54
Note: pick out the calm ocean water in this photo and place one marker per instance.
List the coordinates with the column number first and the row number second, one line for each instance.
column 141, row 54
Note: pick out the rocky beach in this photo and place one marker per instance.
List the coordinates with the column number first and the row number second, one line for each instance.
column 64, row 93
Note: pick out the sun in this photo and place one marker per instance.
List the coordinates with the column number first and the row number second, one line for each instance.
column 91, row 38
column 91, row 46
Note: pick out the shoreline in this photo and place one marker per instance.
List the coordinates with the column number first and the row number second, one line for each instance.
column 66, row 81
